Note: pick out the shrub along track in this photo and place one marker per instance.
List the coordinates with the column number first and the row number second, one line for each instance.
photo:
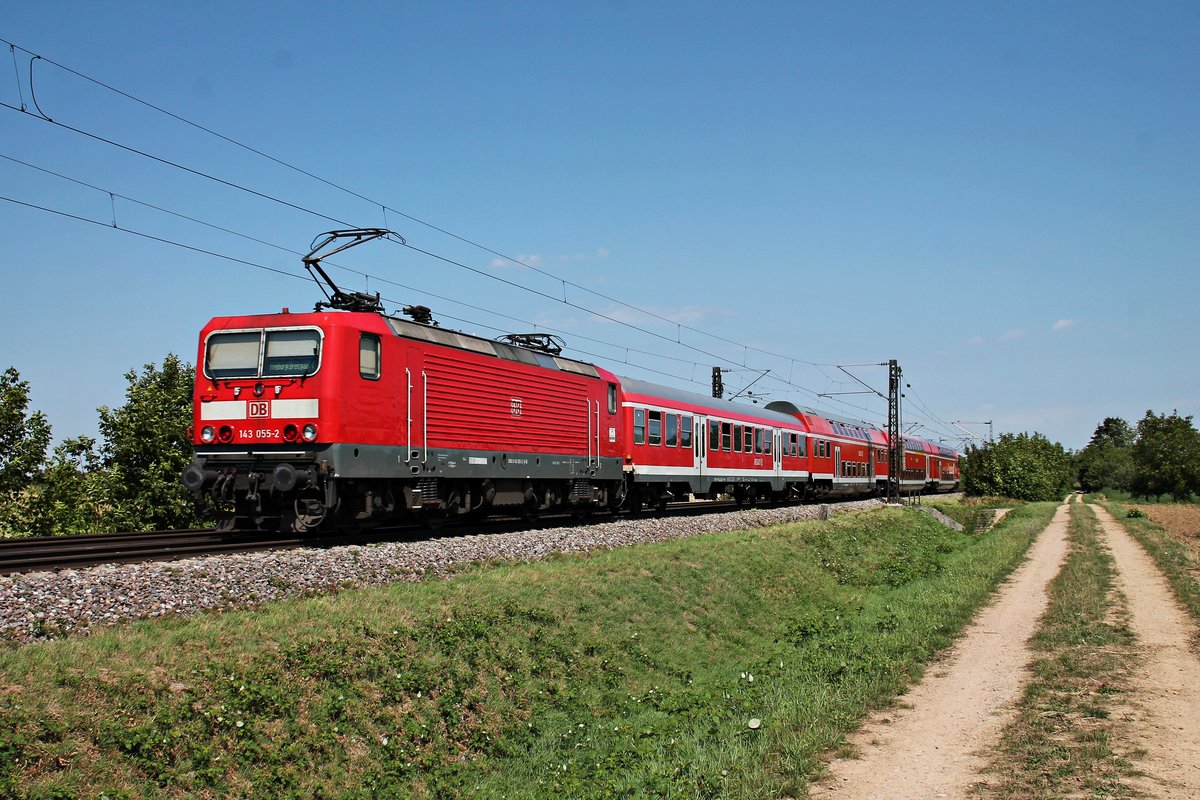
column 943, row 742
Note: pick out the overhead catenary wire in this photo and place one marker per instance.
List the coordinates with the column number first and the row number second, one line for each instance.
column 333, row 184
column 368, row 276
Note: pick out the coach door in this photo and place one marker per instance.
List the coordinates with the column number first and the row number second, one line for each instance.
column 777, row 452
column 837, row 463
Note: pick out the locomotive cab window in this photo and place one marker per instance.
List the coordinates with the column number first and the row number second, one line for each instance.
column 612, row 398
column 291, row 353
column 368, row 356
column 233, row 355
column 263, row 353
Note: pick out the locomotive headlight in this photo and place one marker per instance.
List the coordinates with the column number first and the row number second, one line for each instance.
column 310, row 432
column 206, row 434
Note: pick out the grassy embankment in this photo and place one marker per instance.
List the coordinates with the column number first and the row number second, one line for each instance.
column 716, row 666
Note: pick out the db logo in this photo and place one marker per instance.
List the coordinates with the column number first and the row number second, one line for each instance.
column 258, row 408
column 516, row 406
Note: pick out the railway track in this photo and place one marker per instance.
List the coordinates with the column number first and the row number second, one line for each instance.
column 48, row 553
column 64, row 552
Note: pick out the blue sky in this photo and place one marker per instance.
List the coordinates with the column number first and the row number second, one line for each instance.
column 1004, row 197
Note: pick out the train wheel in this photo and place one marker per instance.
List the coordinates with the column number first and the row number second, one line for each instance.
column 310, row 513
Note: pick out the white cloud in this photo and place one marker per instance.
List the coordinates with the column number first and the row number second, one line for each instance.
column 1015, row 333
column 687, row 315
column 975, row 341
column 1063, row 324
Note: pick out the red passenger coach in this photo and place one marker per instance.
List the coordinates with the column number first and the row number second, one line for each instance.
column 680, row 443
column 844, row 460
column 358, row 417
column 944, row 470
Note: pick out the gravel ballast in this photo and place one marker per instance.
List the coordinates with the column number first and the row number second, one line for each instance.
column 44, row 605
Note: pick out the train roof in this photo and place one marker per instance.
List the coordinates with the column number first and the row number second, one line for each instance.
column 704, row 401
column 477, row 344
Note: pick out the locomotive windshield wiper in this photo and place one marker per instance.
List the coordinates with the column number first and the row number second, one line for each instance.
column 337, row 299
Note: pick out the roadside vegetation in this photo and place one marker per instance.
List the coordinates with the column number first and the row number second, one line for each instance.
column 1158, row 458
column 1065, row 739
column 127, row 481
column 715, row 666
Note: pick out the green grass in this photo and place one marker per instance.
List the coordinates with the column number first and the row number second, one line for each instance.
column 630, row 673
column 1065, row 740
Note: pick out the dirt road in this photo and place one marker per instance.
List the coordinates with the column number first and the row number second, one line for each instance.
column 1165, row 708
column 935, row 745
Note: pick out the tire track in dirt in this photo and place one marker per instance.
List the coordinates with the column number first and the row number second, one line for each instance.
column 1164, row 704
column 935, row 744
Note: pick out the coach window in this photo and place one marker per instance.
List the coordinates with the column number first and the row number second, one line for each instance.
column 767, row 437
column 737, row 438
column 672, row 430
column 639, row 426
column 685, row 431
column 612, row 398
column 714, row 435
column 758, row 440
column 725, row 433
column 655, row 427
column 368, row 356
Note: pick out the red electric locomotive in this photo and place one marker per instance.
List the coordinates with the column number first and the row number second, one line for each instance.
column 362, row 416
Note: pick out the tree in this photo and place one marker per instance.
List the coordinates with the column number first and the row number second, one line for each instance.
column 23, row 439
column 146, row 449
column 1166, row 456
column 1021, row 466
column 1107, row 461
